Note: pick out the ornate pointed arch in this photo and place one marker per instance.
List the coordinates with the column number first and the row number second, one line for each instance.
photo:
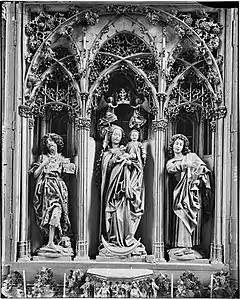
column 195, row 53
column 193, row 85
column 124, row 45
column 47, row 27
column 53, row 48
column 144, row 86
column 55, row 88
column 111, row 29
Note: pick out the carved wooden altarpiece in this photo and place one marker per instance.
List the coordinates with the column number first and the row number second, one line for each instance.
column 167, row 57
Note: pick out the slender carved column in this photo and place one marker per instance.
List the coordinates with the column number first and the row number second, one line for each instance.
column 31, row 123
column 159, row 127
column 216, row 246
column 201, row 138
column 9, row 211
column 234, row 209
column 24, row 244
column 83, row 127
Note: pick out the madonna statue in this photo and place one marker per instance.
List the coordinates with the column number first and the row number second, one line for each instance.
column 192, row 186
column 122, row 197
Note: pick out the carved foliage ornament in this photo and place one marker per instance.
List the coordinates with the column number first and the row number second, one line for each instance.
column 172, row 72
column 145, row 91
column 153, row 17
column 125, row 44
column 24, row 111
column 220, row 112
column 160, row 124
column 4, row 11
column 203, row 23
column 31, row 123
column 213, row 125
column 148, row 65
column 82, row 123
column 195, row 100
column 100, row 62
column 122, row 9
column 55, row 93
column 191, row 101
column 44, row 23
column 161, row 97
column 122, row 45
column 91, row 18
column 40, row 27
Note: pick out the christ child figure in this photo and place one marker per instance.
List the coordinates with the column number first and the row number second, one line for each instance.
column 137, row 156
column 135, row 148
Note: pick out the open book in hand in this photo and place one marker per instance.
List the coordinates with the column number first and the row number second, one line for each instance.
column 68, row 167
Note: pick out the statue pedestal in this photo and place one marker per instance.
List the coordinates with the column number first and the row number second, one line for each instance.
column 50, row 259
column 183, row 255
column 59, row 254
column 197, row 261
column 136, row 252
column 201, row 270
column 131, row 274
column 123, row 258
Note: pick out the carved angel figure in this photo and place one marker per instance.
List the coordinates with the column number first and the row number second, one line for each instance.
column 137, row 120
column 109, row 117
column 106, row 121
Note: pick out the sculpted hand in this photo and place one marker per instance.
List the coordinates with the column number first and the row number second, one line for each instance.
column 196, row 182
column 46, row 162
column 128, row 162
column 178, row 206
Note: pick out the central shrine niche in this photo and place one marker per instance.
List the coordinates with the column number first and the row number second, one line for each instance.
column 144, row 72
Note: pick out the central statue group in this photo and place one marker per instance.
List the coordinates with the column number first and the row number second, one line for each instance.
column 121, row 168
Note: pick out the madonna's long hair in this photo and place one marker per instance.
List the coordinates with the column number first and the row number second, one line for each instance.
column 56, row 138
column 185, row 150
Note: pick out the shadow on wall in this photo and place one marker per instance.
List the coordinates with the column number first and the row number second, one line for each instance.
column 145, row 230
column 94, row 209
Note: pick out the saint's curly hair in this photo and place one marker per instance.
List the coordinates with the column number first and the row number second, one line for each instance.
column 185, row 150
column 56, row 138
